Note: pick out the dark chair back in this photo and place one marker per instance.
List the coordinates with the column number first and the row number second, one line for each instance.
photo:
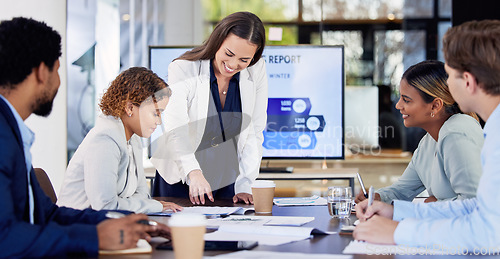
column 45, row 184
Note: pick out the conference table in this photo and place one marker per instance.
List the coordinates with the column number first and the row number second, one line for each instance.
column 332, row 244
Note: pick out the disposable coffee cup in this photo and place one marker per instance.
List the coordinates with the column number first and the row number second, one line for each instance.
column 188, row 231
column 263, row 194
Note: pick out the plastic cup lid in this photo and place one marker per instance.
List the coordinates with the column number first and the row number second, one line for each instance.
column 181, row 219
column 263, row 184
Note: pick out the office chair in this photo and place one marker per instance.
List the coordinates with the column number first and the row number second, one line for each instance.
column 45, row 183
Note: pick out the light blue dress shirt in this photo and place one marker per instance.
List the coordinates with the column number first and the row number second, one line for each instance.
column 471, row 225
column 28, row 138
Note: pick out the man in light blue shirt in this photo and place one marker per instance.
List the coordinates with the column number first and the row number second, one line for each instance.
column 472, row 54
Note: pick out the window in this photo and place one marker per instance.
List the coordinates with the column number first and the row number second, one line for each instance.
column 381, row 37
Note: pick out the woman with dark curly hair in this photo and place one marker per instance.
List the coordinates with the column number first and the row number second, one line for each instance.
column 106, row 171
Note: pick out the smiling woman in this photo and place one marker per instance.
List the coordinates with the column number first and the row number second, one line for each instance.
column 221, row 85
column 106, row 171
column 447, row 161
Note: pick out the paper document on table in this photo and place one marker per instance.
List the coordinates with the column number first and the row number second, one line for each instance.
column 360, row 247
column 277, row 255
column 300, row 201
column 143, row 247
column 207, row 210
column 264, row 235
column 260, row 221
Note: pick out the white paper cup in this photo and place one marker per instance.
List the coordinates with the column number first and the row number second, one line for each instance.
column 188, row 231
column 263, row 194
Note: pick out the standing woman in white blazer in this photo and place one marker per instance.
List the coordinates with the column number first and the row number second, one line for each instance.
column 106, row 171
column 216, row 115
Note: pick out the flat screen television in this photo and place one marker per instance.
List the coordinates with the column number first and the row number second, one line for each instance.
column 306, row 99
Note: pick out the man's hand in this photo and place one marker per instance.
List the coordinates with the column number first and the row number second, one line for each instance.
column 247, row 198
column 431, row 199
column 377, row 230
column 363, row 212
column 361, row 197
column 123, row 233
column 161, row 230
column 198, row 187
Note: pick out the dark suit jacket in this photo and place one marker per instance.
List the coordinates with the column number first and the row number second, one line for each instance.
column 57, row 230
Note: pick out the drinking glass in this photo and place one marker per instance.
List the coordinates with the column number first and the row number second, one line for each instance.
column 339, row 201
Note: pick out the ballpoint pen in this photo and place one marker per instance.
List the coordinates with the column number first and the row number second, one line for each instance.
column 117, row 215
column 362, row 185
column 371, row 195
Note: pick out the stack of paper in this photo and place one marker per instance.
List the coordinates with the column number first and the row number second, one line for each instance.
column 278, row 255
column 264, row 235
column 207, row 210
column 300, row 201
column 360, row 247
column 143, row 247
column 260, row 221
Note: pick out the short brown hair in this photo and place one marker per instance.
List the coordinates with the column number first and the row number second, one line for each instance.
column 135, row 84
column 474, row 47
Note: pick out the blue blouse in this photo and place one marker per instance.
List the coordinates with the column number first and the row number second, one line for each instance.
column 217, row 154
column 232, row 104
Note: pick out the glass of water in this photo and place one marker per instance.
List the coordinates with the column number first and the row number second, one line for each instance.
column 339, row 201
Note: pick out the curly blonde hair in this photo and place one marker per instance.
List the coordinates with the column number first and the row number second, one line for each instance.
column 135, row 85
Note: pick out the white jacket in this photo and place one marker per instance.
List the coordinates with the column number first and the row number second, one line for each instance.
column 185, row 118
column 97, row 175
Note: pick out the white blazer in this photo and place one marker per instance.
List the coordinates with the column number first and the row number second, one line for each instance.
column 97, row 176
column 185, row 118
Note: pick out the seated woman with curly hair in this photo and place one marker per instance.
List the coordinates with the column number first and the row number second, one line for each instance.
column 106, row 171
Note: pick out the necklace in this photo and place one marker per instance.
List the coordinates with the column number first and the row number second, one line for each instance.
column 224, row 92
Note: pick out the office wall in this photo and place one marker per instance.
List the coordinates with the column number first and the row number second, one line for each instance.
column 49, row 148
column 183, row 22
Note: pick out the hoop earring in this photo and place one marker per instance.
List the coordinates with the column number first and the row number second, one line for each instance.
column 432, row 114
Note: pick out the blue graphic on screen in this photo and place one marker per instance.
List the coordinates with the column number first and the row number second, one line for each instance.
column 305, row 105
column 289, row 124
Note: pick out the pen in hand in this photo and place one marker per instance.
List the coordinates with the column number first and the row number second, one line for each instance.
column 362, row 185
column 371, row 196
column 147, row 222
column 117, row 215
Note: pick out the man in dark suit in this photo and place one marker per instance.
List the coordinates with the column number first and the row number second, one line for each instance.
column 30, row 224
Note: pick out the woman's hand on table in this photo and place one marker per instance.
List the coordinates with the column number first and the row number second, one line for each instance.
column 171, row 206
column 199, row 187
column 247, row 198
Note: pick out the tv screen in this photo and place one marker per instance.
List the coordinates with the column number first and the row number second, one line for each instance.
column 306, row 99
column 305, row 108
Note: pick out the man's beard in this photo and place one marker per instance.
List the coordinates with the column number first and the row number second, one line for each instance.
column 43, row 105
